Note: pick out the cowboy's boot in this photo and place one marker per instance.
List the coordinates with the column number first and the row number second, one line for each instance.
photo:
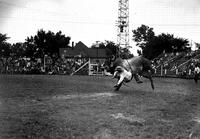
column 117, row 86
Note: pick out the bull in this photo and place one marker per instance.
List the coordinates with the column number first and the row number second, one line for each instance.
column 127, row 69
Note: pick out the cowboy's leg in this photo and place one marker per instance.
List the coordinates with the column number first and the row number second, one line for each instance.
column 121, row 79
column 117, row 87
column 119, row 83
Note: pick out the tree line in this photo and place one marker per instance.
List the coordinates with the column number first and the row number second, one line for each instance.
column 151, row 45
column 49, row 43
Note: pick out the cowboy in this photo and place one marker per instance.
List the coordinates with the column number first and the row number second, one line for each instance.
column 125, row 70
column 124, row 75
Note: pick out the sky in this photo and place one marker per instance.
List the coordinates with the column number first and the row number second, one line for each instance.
column 95, row 20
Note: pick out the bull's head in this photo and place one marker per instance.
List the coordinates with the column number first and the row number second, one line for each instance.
column 111, row 66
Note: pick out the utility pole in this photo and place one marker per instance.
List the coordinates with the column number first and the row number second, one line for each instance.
column 123, row 25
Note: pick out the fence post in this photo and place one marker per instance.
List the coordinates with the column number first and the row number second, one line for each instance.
column 165, row 71
column 161, row 70
column 177, row 71
column 190, row 71
column 89, row 67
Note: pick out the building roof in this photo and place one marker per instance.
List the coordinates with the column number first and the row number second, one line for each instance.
column 80, row 46
column 81, row 49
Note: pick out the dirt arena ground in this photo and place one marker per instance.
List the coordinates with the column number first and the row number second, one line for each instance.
column 83, row 107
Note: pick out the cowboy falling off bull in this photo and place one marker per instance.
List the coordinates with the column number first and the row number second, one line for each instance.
column 127, row 69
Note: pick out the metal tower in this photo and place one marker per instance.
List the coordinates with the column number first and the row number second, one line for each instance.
column 123, row 24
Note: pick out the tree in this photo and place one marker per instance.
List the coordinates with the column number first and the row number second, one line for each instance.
column 152, row 46
column 18, row 49
column 5, row 50
column 3, row 38
column 113, row 49
column 46, row 43
column 143, row 35
column 100, row 45
column 31, row 48
column 125, row 53
column 180, row 45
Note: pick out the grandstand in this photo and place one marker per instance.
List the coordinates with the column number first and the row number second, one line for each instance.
column 176, row 65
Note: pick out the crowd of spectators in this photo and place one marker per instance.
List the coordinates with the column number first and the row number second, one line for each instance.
column 182, row 64
column 188, row 68
column 45, row 65
column 164, row 58
column 48, row 65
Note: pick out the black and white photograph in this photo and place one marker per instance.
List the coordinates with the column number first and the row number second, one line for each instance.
column 99, row 69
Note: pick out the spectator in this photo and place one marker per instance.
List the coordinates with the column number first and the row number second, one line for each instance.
column 196, row 73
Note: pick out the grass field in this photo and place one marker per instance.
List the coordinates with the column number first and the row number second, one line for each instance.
column 85, row 107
